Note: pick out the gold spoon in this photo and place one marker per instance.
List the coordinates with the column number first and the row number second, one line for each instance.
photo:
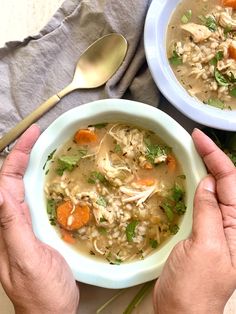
column 95, row 67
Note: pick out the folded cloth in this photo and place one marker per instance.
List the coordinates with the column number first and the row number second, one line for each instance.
column 37, row 68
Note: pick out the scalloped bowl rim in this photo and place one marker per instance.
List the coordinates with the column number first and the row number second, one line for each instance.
column 86, row 269
column 155, row 48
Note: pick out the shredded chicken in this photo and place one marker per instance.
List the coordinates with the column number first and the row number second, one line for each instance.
column 101, row 212
column 136, row 195
column 198, row 32
column 111, row 171
column 227, row 20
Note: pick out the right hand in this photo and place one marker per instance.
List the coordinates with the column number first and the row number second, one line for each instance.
column 35, row 277
column 200, row 273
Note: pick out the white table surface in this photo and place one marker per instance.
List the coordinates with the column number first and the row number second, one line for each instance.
column 18, row 19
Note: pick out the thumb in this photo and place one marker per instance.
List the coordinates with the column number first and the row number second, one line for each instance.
column 207, row 218
column 16, row 232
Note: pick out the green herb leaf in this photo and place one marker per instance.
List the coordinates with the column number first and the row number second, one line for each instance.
column 154, row 151
column 99, row 125
column 186, row 17
column 50, row 156
column 177, row 193
column 233, row 92
column 67, row 163
column 95, row 177
column 168, row 209
column 175, row 59
column 227, row 30
column 51, row 210
column 103, row 219
column 218, row 57
column 220, row 78
column 130, row 230
column 174, row 229
column 180, row 208
column 153, row 243
column 117, row 148
column 102, row 230
column 214, row 102
column 209, row 22
column 101, row 201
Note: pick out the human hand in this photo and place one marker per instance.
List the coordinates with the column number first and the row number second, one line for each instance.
column 200, row 273
column 35, row 277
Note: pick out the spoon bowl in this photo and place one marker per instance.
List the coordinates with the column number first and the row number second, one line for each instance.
column 95, row 67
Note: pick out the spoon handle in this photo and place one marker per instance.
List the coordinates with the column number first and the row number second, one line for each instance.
column 27, row 121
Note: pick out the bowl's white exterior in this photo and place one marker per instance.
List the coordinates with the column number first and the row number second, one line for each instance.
column 156, row 24
column 85, row 268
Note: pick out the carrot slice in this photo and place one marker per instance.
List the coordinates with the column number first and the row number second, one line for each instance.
column 232, row 50
column 72, row 218
column 85, row 136
column 229, row 3
column 147, row 182
column 171, row 163
column 67, row 237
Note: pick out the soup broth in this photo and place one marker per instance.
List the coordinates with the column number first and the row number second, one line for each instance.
column 115, row 191
column 201, row 47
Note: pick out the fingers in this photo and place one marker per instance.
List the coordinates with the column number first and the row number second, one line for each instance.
column 219, row 165
column 207, row 218
column 16, row 163
column 16, row 232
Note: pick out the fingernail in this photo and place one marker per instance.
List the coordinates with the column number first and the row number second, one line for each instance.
column 209, row 184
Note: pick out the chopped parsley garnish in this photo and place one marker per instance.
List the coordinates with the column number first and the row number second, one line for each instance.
column 214, row 102
column 168, row 209
column 174, row 203
column 177, row 193
column 233, row 92
column 130, row 230
column 103, row 219
column 95, row 177
column 117, row 148
column 174, row 229
column 102, row 230
column 180, row 208
column 176, row 59
column 209, row 22
column 153, row 243
column 68, row 163
column 51, row 210
column 220, row 78
column 218, row 57
column 154, row 151
column 101, row 201
column 99, row 125
column 186, row 17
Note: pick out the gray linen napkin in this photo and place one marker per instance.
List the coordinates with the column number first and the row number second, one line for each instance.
column 35, row 69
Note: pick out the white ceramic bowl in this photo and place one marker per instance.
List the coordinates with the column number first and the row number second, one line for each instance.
column 85, row 268
column 157, row 20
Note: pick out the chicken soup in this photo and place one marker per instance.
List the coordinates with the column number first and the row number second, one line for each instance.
column 201, row 47
column 115, row 191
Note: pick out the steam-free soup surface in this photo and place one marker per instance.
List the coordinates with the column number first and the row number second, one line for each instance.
column 115, row 191
column 201, row 47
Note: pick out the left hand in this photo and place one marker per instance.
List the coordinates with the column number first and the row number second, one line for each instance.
column 35, row 277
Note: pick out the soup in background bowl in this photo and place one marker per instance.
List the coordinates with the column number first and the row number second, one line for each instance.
column 83, row 166
column 189, row 47
column 201, row 47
